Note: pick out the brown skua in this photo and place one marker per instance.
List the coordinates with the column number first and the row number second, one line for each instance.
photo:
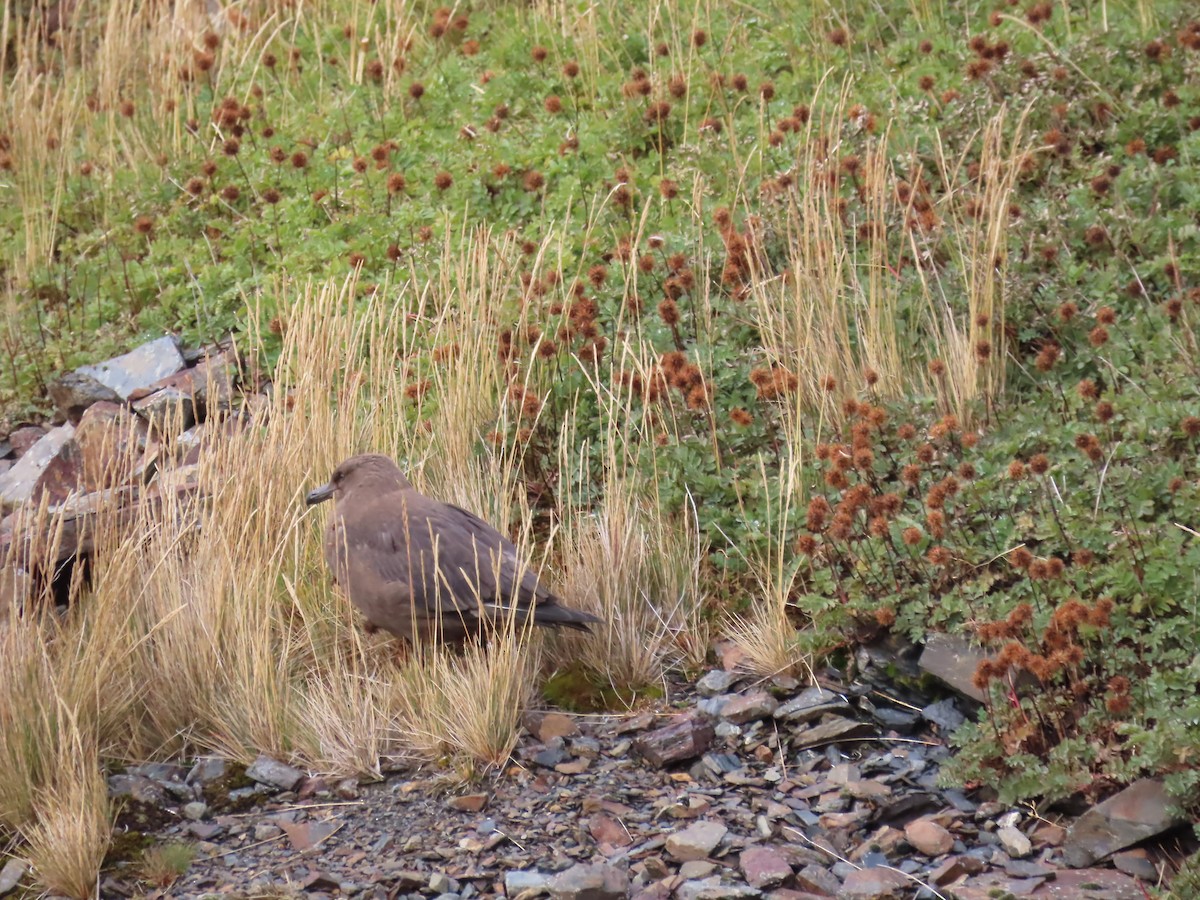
column 424, row 570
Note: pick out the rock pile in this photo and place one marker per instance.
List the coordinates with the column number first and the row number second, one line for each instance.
column 783, row 791
column 129, row 430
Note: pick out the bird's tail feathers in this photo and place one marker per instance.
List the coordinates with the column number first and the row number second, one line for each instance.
column 555, row 616
column 548, row 615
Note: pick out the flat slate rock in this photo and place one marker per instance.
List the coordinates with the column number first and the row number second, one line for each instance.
column 1140, row 811
column 266, row 770
column 11, row 875
column 590, row 882
column 873, row 884
column 835, row 730
column 810, row 705
column 684, row 739
column 75, row 392
column 953, row 660
column 139, row 368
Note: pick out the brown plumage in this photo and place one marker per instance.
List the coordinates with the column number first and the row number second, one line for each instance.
column 422, row 569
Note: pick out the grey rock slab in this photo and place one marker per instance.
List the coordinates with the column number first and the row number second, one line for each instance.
column 1140, row 811
column 165, row 773
column 901, row 721
column 136, row 787
column 697, row 841
column 722, row 763
column 1136, row 863
column 11, row 875
column 953, row 660
column 810, row 705
column 718, row 681
column 695, row 869
column 713, row 888
column 195, row 810
column 1019, row 868
column 832, row 730
column 551, row 756
column 265, row 770
column 440, row 883
column 139, row 368
column 75, row 392
column 590, row 882
column 170, row 411
column 945, row 714
column 526, row 883
column 208, row 386
column 1014, row 841
column 749, row 707
column 714, row 706
column 874, row 884
column 206, row 770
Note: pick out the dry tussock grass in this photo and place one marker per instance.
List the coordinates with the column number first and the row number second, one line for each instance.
column 67, row 841
column 639, row 572
column 834, row 318
column 766, row 634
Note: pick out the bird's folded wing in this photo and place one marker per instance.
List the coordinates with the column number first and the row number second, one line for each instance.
column 483, row 556
column 441, row 556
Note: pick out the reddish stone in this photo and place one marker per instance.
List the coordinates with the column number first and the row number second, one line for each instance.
column 874, row 884
column 112, row 445
column 25, row 437
column 929, row 837
column 49, row 469
column 684, row 739
column 555, row 725
column 764, row 867
column 608, row 833
column 468, row 802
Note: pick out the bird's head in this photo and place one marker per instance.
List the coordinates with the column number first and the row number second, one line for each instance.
column 371, row 473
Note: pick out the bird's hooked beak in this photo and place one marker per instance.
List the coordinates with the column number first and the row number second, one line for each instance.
column 320, row 495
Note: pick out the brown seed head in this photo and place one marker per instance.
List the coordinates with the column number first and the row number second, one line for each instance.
column 939, row 556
